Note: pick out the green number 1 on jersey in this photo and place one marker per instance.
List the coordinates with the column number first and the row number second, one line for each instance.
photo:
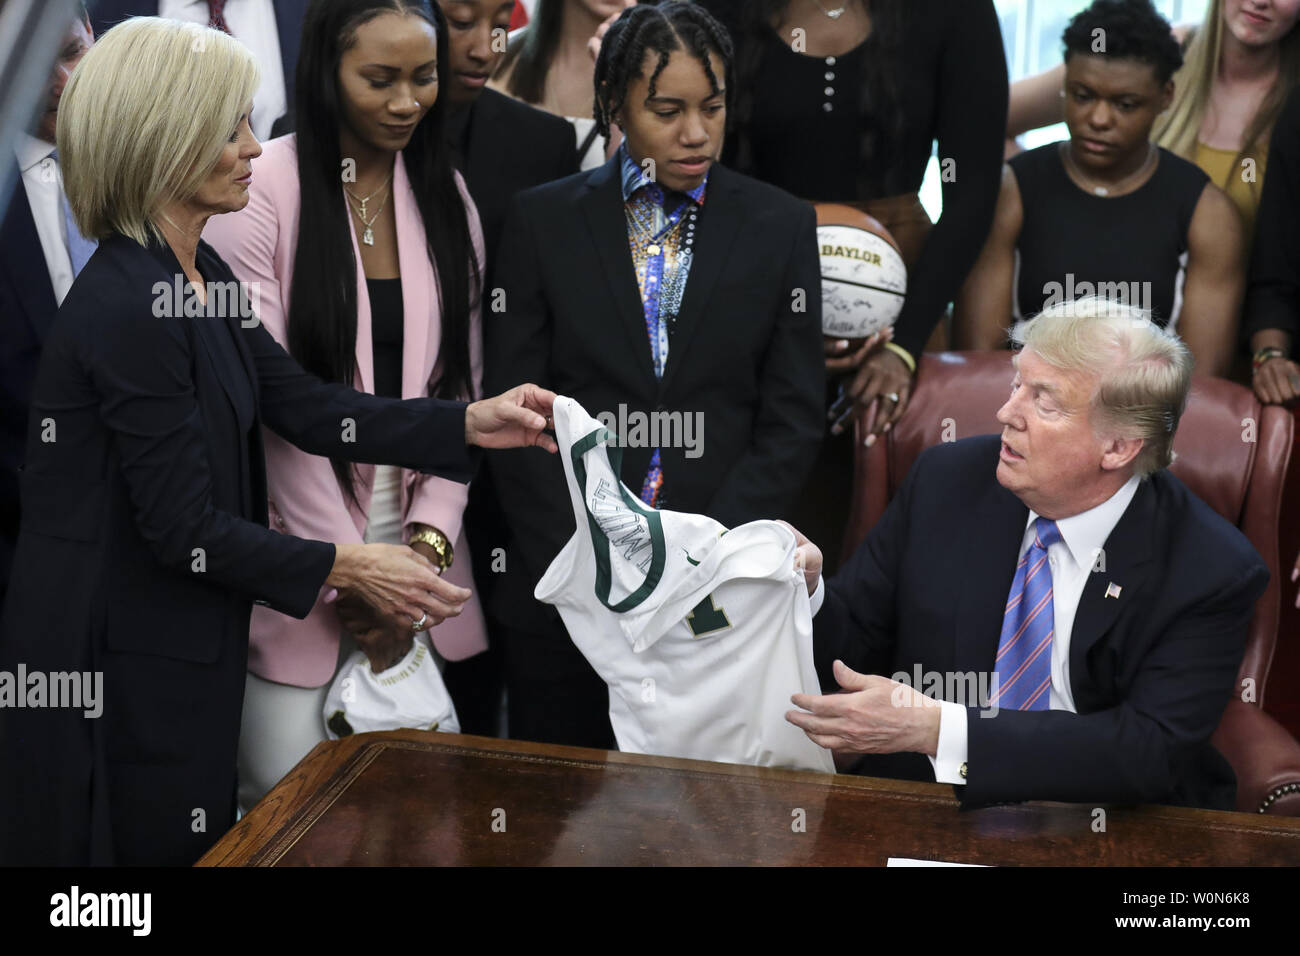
column 705, row 618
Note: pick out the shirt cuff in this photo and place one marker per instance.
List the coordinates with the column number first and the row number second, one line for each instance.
column 818, row 595
column 950, row 755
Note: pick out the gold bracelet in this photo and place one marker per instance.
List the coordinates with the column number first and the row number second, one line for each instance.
column 438, row 541
column 904, row 354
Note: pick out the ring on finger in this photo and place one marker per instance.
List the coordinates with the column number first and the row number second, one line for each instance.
column 893, row 397
column 419, row 625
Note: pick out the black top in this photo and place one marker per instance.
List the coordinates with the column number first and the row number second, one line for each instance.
column 1129, row 248
column 386, row 335
column 804, row 139
column 1273, row 299
column 953, row 88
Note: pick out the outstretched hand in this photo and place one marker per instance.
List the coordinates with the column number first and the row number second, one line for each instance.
column 516, row 419
column 871, row 715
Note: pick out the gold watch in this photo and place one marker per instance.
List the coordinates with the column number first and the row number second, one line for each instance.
column 436, row 540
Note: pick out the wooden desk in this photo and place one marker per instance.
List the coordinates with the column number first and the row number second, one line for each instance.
column 418, row 798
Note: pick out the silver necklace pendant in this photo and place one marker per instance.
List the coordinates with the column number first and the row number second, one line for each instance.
column 368, row 237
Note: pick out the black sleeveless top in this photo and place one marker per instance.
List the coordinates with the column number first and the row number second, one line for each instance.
column 1130, row 249
column 386, row 328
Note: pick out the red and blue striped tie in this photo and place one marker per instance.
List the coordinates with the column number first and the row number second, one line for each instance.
column 1024, row 662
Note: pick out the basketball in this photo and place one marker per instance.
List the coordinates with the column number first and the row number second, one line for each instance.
column 864, row 280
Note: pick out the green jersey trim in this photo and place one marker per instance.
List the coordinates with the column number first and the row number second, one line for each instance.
column 600, row 542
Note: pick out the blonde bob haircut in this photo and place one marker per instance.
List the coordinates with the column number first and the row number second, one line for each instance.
column 144, row 118
column 1144, row 372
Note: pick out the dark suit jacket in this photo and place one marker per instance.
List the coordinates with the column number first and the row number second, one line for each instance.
column 27, row 307
column 507, row 147
column 288, row 26
column 742, row 353
column 511, row 146
column 144, row 544
column 1151, row 671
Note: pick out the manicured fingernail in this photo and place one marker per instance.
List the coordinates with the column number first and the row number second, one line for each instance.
column 871, row 440
column 889, row 426
column 1295, row 573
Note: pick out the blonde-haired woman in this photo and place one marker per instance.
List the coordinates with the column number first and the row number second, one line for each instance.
column 1238, row 67
column 144, row 540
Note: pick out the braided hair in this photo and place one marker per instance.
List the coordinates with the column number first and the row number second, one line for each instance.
column 662, row 30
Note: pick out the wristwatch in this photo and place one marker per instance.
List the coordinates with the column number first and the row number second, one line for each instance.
column 436, row 540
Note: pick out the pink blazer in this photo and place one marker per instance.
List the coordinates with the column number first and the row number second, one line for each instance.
column 258, row 243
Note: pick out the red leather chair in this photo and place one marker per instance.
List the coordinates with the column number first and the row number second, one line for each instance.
column 958, row 395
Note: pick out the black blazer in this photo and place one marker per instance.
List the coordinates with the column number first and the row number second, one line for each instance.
column 1150, row 670
column 507, row 146
column 144, row 544
column 746, row 352
column 27, row 307
column 511, row 146
column 104, row 14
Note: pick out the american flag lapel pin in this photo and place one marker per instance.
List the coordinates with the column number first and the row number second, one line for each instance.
column 1112, row 590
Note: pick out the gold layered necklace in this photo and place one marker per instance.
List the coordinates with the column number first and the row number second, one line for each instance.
column 368, row 236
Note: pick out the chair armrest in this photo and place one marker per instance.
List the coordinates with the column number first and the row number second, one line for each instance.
column 1265, row 757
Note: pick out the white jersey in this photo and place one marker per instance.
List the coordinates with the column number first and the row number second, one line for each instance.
column 701, row 633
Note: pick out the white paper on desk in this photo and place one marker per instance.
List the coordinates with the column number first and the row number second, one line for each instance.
column 907, row 861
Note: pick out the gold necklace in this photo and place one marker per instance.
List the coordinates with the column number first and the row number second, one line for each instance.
column 368, row 236
column 1106, row 190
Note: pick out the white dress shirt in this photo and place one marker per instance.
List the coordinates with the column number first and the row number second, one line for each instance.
column 252, row 22
column 43, row 182
column 1071, row 560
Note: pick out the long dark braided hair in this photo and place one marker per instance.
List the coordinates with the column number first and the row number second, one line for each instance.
column 322, row 329
column 879, row 104
column 660, row 29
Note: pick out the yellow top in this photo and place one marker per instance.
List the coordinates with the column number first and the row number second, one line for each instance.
column 1243, row 185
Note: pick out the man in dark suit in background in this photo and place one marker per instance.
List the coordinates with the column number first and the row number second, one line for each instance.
column 658, row 287
column 253, row 23
column 1100, row 606
column 501, row 146
column 41, row 252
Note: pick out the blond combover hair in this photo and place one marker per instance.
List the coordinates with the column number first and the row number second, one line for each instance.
column 1178, row 127
column 144, row 118
column 1145, row 372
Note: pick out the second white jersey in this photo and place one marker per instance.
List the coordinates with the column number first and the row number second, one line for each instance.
column 701, row 633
